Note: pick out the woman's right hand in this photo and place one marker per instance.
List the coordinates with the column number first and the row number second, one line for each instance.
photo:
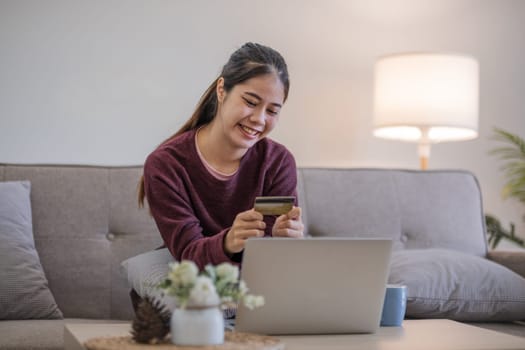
column 246, row 225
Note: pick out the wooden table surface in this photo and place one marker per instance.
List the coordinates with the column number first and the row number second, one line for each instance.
column 414, row 334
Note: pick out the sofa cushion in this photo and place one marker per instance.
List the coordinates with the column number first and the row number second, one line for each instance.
column 24, row 292
column 448, row 284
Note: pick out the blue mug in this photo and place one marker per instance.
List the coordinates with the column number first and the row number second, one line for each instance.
column 394, row 305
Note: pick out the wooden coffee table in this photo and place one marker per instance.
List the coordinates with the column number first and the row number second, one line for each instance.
column 415, row 334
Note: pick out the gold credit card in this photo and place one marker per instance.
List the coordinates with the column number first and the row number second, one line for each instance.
column 274, row 205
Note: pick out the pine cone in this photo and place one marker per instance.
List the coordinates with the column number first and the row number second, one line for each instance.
column 151, row 323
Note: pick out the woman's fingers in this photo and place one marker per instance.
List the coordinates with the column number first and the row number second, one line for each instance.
column 286, row 232
column 294, row 214
column 249, row 215
column 289, row 224
column 239, row 238
column 245, row 234
column 247, row 224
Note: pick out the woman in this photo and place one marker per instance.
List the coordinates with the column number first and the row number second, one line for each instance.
column 201, row 183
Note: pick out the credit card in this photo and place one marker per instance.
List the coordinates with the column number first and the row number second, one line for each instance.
column 274, row 205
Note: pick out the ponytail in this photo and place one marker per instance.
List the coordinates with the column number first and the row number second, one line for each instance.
column 203, row 114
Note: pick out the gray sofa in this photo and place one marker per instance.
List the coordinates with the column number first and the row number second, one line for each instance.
column 86, row 222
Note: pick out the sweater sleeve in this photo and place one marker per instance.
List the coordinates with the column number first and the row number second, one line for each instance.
column 174, row 215
column 282, row 182
column 283, row 179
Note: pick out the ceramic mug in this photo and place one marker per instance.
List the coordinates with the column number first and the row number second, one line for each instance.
column 394, row 305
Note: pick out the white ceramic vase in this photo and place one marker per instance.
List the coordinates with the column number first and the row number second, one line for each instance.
column 197, row 326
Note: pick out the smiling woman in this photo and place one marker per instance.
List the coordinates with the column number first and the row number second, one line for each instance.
column 247, row 113
column 201, row 183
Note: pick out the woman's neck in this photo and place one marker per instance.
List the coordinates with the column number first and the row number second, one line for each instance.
column 218, row 153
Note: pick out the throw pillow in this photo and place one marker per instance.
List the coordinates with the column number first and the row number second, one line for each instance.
column 145, row 271
column 24, row 292
column 449, row 284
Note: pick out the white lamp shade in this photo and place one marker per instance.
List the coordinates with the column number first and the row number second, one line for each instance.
column 426, row 97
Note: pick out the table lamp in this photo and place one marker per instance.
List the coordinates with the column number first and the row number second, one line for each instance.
column 426, row 98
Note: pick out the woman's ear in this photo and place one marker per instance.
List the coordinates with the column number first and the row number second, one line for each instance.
column 221, row 93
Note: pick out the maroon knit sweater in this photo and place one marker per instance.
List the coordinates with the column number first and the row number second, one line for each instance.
column 194, row 210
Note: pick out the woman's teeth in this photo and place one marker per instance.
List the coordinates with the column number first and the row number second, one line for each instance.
column 249, row 130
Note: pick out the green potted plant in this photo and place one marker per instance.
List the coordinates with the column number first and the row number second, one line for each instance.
column 512, row 153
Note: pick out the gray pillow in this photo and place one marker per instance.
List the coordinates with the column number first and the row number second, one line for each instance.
column 24, row 293
column 449, row 284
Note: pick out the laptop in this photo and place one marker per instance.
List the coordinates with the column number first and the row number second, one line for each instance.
column 315, row 285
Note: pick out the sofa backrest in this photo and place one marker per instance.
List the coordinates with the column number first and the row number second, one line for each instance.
column 86, row 221
column 417, row 209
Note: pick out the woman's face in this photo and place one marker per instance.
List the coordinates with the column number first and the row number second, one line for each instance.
column 250, row 110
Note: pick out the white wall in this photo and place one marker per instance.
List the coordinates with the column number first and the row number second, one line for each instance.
column 103, row 82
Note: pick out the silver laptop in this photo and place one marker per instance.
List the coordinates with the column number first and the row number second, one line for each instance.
column 315, row 285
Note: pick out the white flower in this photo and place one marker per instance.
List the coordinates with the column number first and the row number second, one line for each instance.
column 215, row 286
column 227, row 272
column 184, row 273
column 203, row 293
column 227, row 299
column 243, row 288
column 253, row 301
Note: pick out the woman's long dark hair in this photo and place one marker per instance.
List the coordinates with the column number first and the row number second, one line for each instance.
column 250, row 61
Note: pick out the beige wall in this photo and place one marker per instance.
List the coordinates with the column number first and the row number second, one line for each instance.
column 103, row 82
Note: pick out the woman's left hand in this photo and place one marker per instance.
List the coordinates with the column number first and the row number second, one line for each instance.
column 289, row 224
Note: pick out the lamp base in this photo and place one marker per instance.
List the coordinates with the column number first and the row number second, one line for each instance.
column 423, row 150
column 423, row 162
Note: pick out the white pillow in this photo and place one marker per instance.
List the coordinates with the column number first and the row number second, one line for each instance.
column 145, row 271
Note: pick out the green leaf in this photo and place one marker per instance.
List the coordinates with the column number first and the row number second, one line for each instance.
column 209, row 271
column 513, row 155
